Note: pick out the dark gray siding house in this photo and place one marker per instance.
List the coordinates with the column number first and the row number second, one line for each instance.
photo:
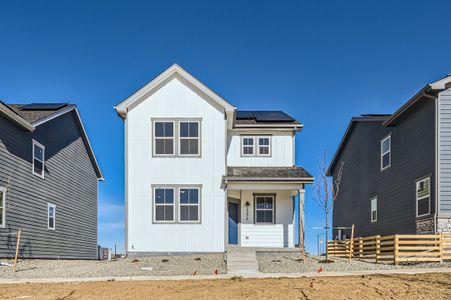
column 390, row 163
column 48, row 183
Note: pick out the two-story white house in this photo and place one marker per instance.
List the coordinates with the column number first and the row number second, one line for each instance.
column 202, row 176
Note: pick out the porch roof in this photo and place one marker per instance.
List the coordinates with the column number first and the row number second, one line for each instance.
column 296, row 174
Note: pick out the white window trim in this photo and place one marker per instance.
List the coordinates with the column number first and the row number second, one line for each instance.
column 189, row 204
column 54, row 216
column 3, row 216
column 417, row 183
column 371, row 208
column 273, row 209
column 383, row 153
column 154, row 204
column 180, row 138
column 247, row 146
column 154, row 137
column 264, row 146
column 33, row 158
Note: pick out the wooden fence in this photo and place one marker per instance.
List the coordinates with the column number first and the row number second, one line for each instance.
column 394, row 248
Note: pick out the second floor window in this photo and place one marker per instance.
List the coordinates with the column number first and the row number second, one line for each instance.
column 256, row 145
column 38, row 159
column 164, row 138
column 386, row 153
column 176, row 138
column 189, row 138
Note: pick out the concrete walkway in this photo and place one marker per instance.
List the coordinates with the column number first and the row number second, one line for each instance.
column 228, row 276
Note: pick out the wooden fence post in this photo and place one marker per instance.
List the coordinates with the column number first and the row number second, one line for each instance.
column 360, row 247
column 395, row 252
column 351, row 245
column 441, row 247
column 378, row 247
column 17, row 250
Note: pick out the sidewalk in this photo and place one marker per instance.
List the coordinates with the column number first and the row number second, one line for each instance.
column 255, row 275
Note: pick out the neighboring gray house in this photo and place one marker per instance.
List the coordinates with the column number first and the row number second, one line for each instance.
column 48, row 182
column 396, row 176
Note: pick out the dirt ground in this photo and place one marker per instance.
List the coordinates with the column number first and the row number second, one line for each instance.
column 423, row 286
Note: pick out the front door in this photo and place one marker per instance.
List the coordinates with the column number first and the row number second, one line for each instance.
column 233, row 223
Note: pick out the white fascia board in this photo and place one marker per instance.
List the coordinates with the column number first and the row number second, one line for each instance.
column 122, row 108
column 441, row 84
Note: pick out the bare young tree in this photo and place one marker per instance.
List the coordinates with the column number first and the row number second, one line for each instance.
column 326, row 190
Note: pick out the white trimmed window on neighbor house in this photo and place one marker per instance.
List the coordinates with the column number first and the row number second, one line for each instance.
column 374, row 209
column 38, row 159
column 423, row 197
column 386, row 152
column 2, row 207
column 51, row 216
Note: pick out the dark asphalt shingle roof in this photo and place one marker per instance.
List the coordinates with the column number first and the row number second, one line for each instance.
column 269, row 173
column 35, row 115
column 249, row 117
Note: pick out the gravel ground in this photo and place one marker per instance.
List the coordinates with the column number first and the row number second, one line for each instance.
column 293, row 264
column 161, row 265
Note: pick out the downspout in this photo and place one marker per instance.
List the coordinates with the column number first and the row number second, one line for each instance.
column 437, row 165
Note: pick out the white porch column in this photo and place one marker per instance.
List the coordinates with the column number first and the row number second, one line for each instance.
column 301, row 195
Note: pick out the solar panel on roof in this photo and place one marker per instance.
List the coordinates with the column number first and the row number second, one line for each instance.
column 244, row 114
column 273, row 116
column 43, row 106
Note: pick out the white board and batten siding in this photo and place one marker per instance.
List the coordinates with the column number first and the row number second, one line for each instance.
column 282, row 154
column 175, row 100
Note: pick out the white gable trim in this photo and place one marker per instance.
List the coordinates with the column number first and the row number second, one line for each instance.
column 174, row 70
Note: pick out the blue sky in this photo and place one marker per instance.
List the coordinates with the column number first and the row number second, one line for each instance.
column 321, row 61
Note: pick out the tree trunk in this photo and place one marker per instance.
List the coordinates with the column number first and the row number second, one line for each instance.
column 327, row 234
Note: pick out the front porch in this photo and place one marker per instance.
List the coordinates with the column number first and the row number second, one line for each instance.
column 261, row 207
column 261, row 217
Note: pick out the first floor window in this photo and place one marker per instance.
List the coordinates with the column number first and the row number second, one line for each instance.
column 163, row 138
column 38, row 159
column 2, row 206
column 164, row 205
column 423, row 195
column 51, row 216
column 264, row 209
column 374, row 210
column 189, row 205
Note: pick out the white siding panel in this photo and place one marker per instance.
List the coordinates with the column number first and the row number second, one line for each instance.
column 175, row 100
column 444, row 152
column 261, row 235
column 281, row 151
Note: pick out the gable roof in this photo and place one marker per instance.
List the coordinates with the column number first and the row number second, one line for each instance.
column 173, row 71
column 430, row 91
column 30, row 116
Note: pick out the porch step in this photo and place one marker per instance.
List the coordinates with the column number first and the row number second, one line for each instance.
column 240, row 260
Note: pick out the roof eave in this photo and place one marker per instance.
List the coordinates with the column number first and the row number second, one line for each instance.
column 122, row 107
column 18, row 120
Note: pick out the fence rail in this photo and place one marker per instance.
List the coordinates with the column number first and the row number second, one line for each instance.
column 394, row 248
